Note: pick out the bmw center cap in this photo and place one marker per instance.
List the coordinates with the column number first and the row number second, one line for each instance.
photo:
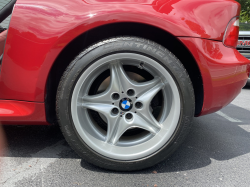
column 126, row 104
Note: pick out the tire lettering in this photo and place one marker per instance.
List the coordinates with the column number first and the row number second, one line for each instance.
column 138, row 44
column 159, row 53
column 152, row 49
column 140, row 40
column 150, row 42
column 129, row 44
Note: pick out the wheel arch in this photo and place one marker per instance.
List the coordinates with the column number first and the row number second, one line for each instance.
column 114, row 30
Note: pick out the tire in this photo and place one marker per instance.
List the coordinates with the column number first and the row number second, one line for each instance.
column 154, row 113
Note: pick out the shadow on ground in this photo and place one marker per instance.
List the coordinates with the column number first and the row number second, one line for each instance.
column 247, row 85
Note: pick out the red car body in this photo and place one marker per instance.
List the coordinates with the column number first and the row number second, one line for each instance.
column 39, row 31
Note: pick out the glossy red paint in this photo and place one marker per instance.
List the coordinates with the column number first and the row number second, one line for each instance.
column 40, row 30
column 224, row 72
column 20, row 112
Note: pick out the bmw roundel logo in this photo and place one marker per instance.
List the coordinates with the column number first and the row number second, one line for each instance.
column 126, row 104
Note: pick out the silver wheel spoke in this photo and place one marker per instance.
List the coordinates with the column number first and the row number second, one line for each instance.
column 114, row 131
column 112, row 120
column 113, row 123
column 127, row 83
column 122, row 125
column 99, row 98
column 146, row 99
column 114, row 86
column 142, row 87
column 121, row 77
column 105, row 109
column 141, row 123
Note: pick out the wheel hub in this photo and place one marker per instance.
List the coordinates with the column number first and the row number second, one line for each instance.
column 126, row 104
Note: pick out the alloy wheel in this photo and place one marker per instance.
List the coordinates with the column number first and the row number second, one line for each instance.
column 125, row 104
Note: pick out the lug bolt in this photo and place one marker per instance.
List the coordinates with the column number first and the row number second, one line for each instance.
column 130, row 92
column 129, row 116
column 115, row 96
column 138, row 104
column 115, row 111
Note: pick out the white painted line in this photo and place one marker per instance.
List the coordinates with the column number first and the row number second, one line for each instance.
column 234, row 120
column 245, row 127
column 14, row 172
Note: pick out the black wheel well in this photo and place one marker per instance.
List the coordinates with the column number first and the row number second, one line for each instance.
column 114, row 30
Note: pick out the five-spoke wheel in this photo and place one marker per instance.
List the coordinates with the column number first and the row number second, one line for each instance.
column 124, row 106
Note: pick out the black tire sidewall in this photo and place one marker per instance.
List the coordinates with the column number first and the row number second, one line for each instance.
column 122, row 45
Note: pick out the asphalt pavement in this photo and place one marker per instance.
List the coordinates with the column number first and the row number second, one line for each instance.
column 6, row 22
column 216, row 153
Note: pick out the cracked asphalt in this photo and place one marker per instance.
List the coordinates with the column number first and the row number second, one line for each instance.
column 216, row 153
